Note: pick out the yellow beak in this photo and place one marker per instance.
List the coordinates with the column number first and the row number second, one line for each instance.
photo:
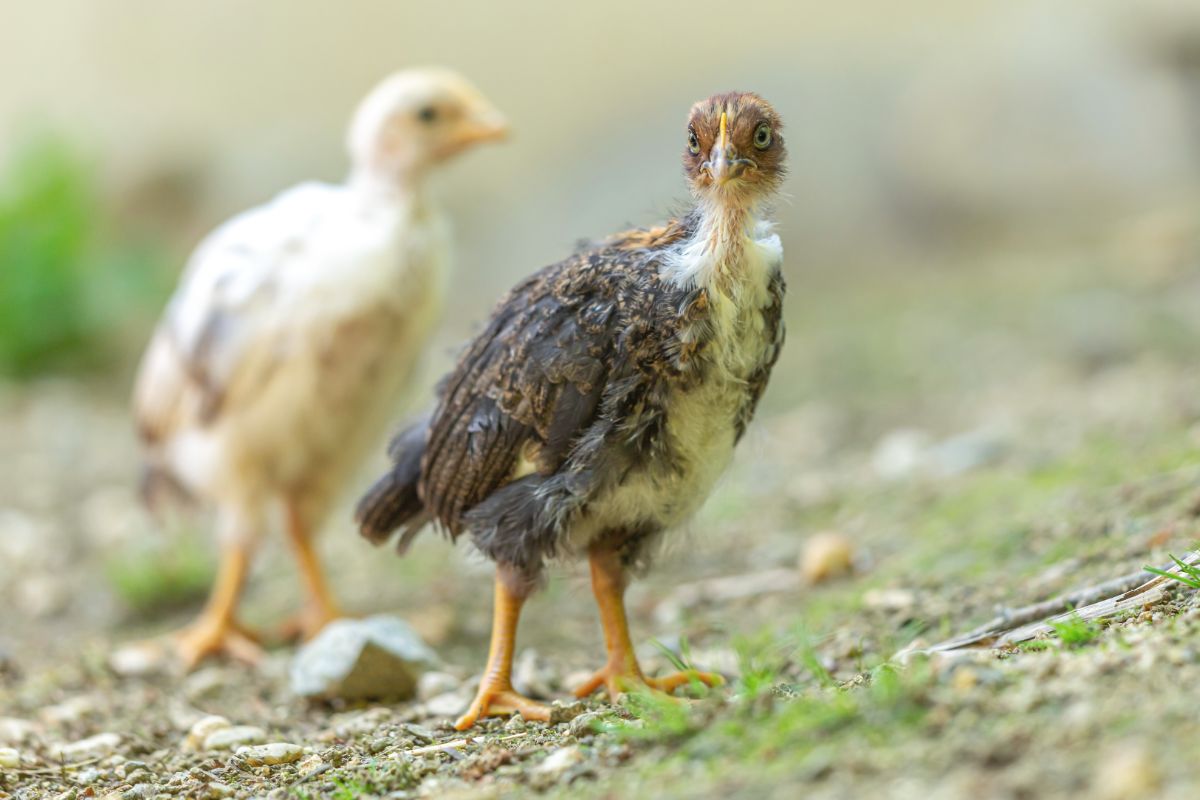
column 488, row 126
column 724, row 163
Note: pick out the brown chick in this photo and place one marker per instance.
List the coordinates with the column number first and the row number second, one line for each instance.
column 596, row 410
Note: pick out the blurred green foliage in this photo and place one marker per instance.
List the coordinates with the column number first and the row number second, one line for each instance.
column 67, row 283
column 1188, row 575
column 153, row 580
column 1075, row 631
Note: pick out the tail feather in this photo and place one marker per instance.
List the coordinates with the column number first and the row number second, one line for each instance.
column 392, row 502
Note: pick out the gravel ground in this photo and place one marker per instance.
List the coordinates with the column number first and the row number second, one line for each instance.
column 938, row 443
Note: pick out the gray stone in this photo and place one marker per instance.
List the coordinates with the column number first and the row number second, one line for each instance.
column 355, row 659
column 561, row 711
column 585, row 724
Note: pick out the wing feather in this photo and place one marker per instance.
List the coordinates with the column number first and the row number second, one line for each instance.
column 512, row 446
column 527, row 388
column 215, row 341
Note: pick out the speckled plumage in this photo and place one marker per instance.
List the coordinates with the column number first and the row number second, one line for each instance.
column 602, row 399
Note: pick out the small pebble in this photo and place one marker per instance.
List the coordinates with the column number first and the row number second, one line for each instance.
column 565, row 712
column 889, row 599
column 102, row 744
column 559, row 761
column 584, row 724
column 16, row 731
column 826, row 556
column 139, row 659
column 310, row 765
column 87, row 775
column 137, row 777
column 203, row 728
column 234, row 737
column 9, row 758
column 270, row 755
column 424, row 735
column 68, row 711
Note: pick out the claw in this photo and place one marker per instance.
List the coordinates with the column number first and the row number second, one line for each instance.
column 619, row 680
column 205, row 638
column 501, row 701
column 670, row 682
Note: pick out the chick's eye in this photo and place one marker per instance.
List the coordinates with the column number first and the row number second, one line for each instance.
column 693, row 143
column 762, row 136
column 427, row 114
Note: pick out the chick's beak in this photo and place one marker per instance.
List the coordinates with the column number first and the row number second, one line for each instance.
column 724, row 163
column 485, row 125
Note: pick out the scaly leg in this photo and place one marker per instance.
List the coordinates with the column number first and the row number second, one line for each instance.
column 622, row 671
column 216, row 631
column 319, row 606
column 496, row 696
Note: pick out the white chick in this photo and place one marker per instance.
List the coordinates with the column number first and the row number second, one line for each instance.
column 281, row 356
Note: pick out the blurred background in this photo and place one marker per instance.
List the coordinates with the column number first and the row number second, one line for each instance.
column 992, row 227
column 911, row 129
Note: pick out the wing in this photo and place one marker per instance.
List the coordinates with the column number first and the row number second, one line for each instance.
column 562, row 347
column 214, row 339
column 527, row 385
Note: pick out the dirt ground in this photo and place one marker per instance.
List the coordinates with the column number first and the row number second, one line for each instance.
column 986, row 431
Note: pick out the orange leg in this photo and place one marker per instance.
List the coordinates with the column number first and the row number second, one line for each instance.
column 496, row 696
column 622, row 671
column 319, row 606
column 216, row 630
